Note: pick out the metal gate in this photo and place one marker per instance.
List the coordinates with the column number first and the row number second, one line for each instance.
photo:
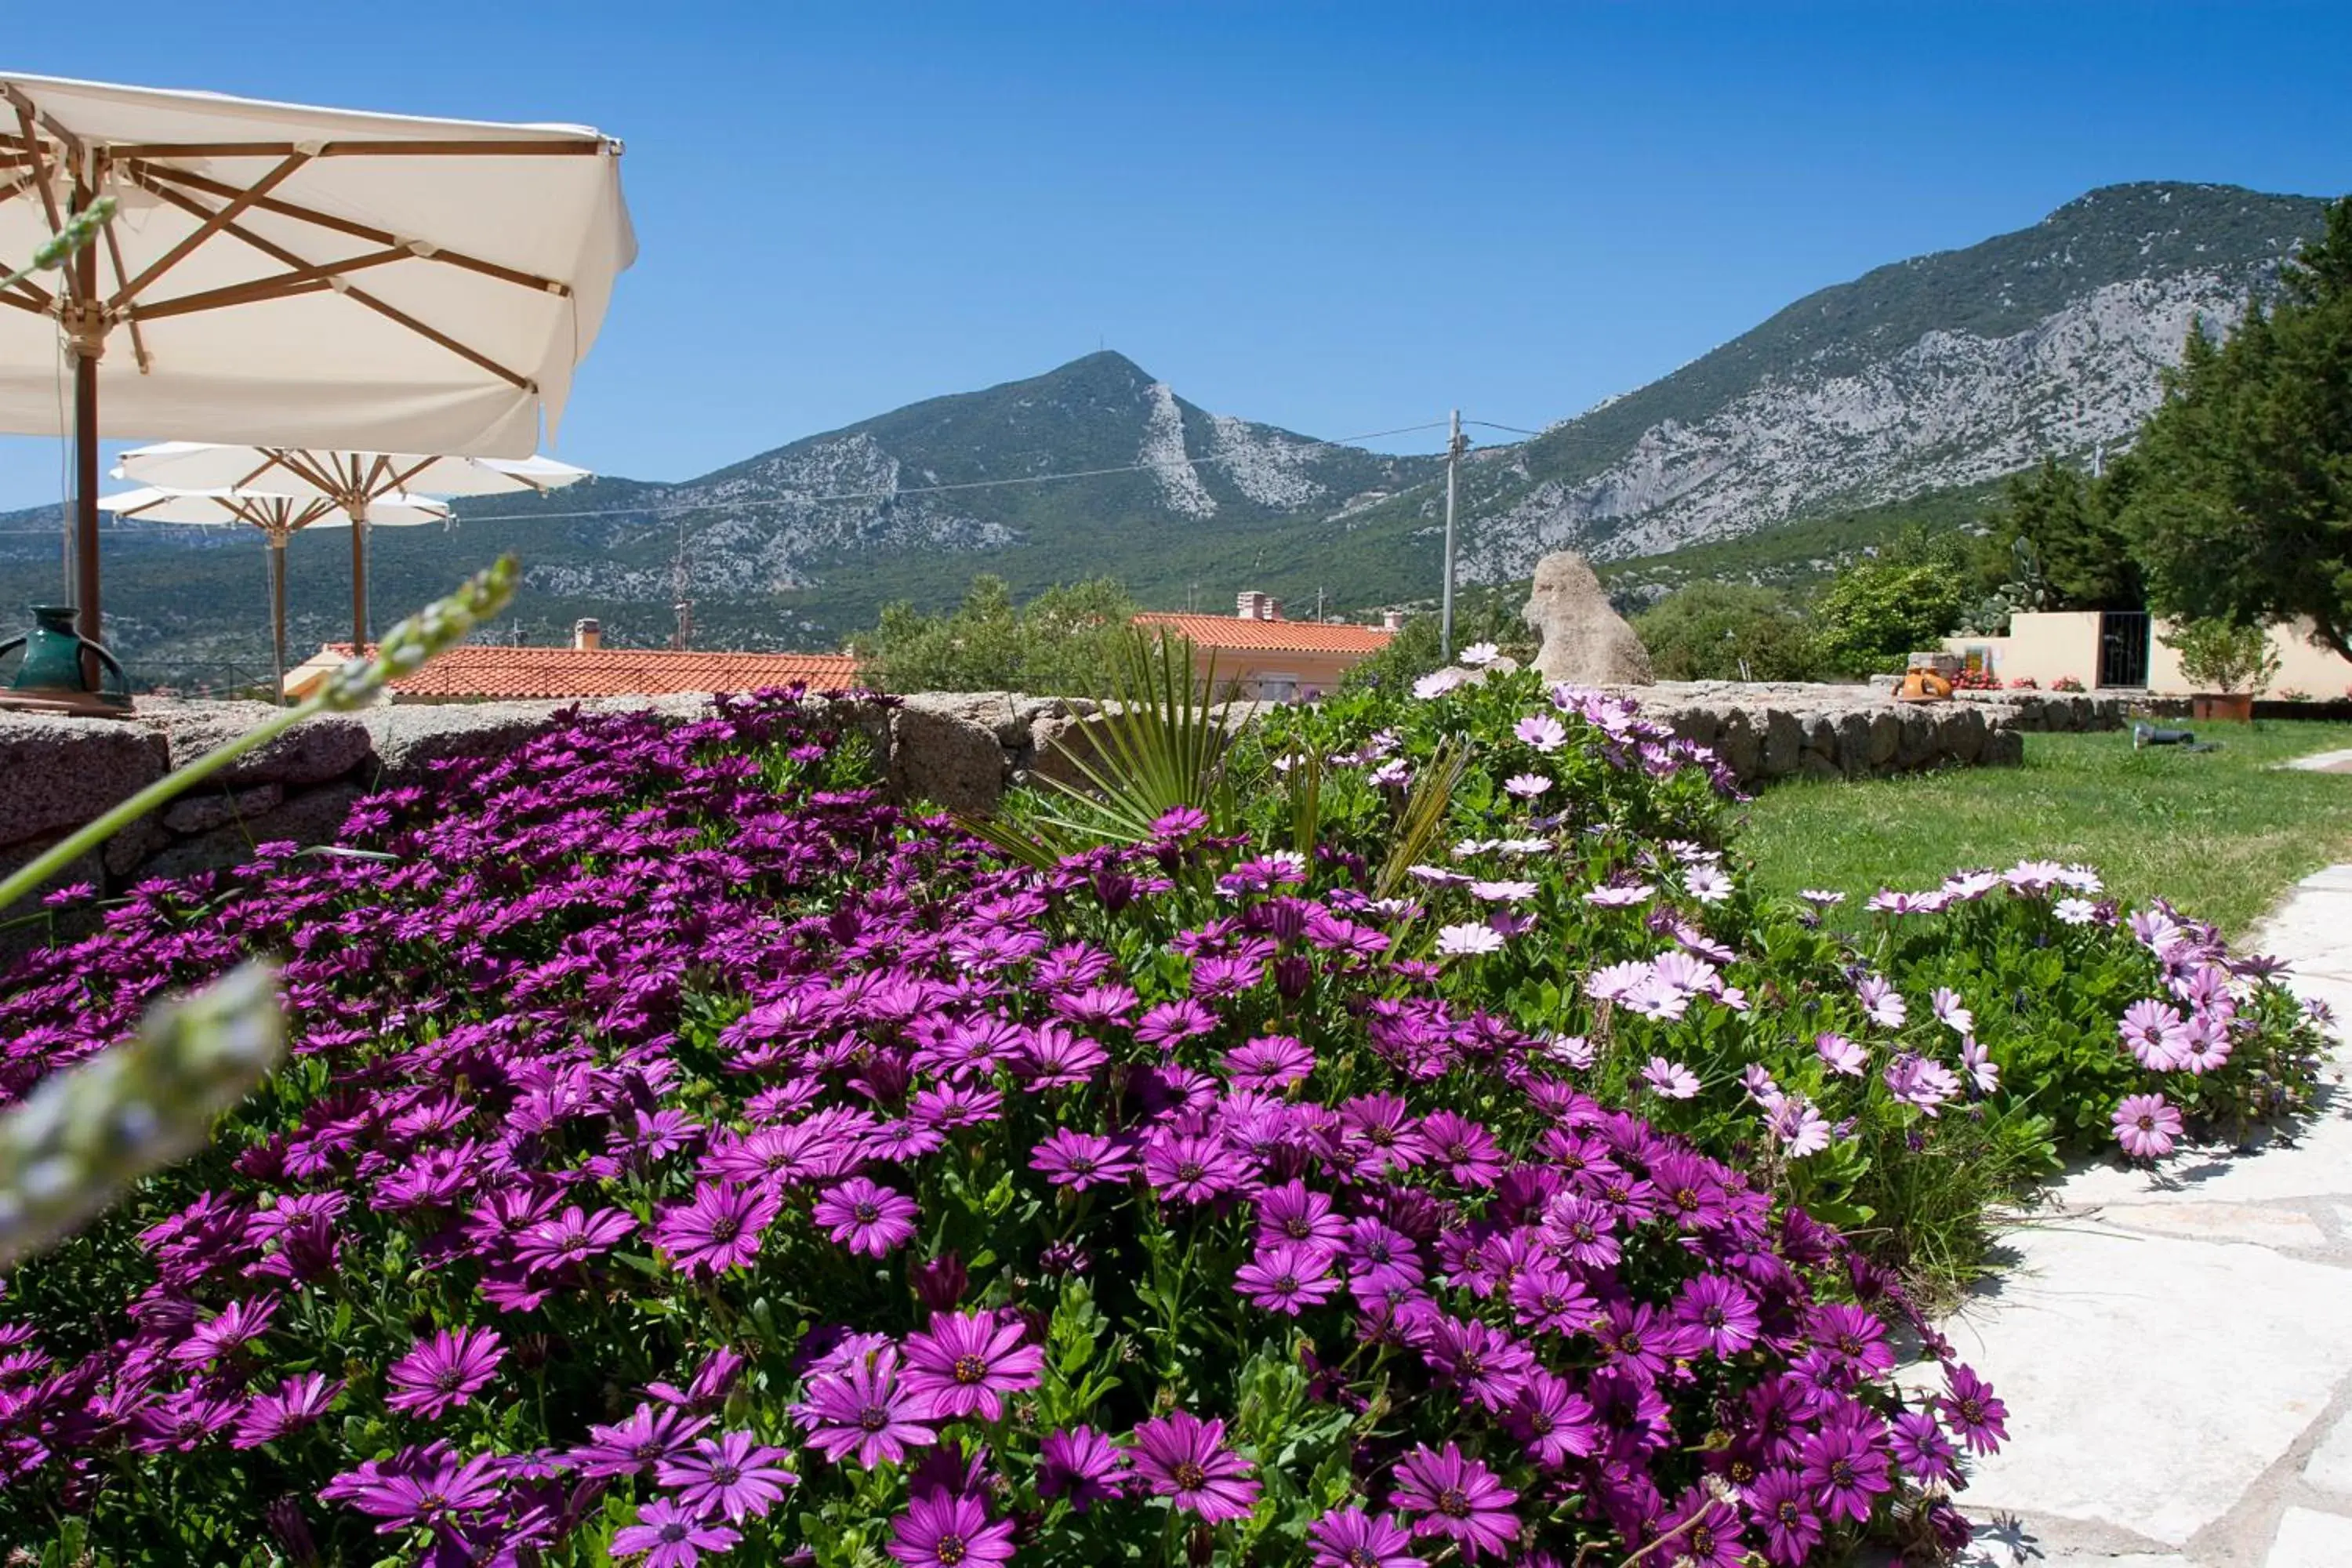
column 2123, row 647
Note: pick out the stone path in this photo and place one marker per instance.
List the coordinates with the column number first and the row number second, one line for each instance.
column 2176, row 1349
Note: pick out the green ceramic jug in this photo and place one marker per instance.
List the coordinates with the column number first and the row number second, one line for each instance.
column 52, row 667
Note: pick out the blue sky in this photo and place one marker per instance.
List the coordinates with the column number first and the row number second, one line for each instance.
column 1335, row 217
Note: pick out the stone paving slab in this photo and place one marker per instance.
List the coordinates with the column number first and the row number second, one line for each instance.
column 2176, row 1346
column 2308, row 1540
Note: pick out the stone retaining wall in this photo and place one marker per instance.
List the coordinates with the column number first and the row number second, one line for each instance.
column 960, row 751
column 1772, row 730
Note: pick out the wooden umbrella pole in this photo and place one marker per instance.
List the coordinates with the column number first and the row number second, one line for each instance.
column 278, row 610
column 87, row 341
column 358, row 510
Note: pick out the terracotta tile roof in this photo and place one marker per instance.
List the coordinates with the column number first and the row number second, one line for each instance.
column 485, row 671
column 1233, row 632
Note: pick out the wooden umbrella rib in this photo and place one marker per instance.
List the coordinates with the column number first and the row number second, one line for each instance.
column 212, row 226
column 299, row 281
column 24, row 113
column 286, row 287
column 295, row 210
column 138, row 337
column 280, row 253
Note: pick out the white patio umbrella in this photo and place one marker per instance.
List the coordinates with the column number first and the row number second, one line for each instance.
column 352, row 480
column 296, row 275
column 279, row 518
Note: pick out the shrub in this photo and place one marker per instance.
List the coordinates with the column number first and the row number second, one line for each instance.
column 1976, row 681
column 1875, row 614
column 685, row 1153
column 1056, row 644
column 2223, row 656
column 2066, row 683
column 2025, row 683
column 1728, row 631
column 1639, row 941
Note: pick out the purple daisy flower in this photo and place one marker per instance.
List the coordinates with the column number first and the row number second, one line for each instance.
column 1721, row 1310
column 2147, row 1125
column 1287, row 1276
column 948, row 1529
column 1083, row 1464
column 1192, row 1169
column 967, row 1361
column 1296, row 1212
column 573, row 1236
column 1921, row 1447
column 866, row 1218
column 734, row 1476
column 718, row 1230
column 1975, row 1415
column 299, row 1402
column 1552, row 1419
column 1847, row 1472
column 1277, row 1061
column 1709, row 1531
column 1457, row 1498
column 651, row 1434
column 1081, row 1160
column 862, row 1407
column 670, row 1537
column 1782, row 1507
column 1350, row 1538
column 1183, row 1459
column 446, row 1370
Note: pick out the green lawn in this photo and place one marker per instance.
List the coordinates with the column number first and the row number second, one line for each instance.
column 2220, row 833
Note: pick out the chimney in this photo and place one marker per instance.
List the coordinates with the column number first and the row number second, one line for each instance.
column 1251, row 604
column 587, row 636
column 1392, row 620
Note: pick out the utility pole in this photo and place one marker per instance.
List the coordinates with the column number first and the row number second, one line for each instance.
column 1454, row 449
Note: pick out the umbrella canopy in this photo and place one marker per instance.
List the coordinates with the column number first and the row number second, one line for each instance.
column 352, row 480
column 285, row 274
column 279, row 518
column 275, row 515
column 339, row 477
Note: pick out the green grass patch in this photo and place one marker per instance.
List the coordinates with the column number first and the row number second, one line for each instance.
column 2222, row 834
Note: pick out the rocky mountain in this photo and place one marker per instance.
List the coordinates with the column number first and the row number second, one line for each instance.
column 1914, row 384
column 1935, row 374
column 796, row 547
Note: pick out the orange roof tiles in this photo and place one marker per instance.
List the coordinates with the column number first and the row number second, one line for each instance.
column 1269, row 637
column 486, row 671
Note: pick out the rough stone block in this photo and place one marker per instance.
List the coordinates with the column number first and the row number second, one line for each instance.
column 409, row 739
column 327, row 746
column 1738, row 744
column 202, row 811
column 1885, row 736
column 61, row 773
column 1963, row 733
column 2002, row 748
column 315, row 816
column 1784, row 737
column 1056, row 742
column 994, row 711
column 1853, row 742
column 947, row 759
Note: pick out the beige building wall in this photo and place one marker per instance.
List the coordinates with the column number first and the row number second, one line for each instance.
column 1275, row 675
column 2047, row 645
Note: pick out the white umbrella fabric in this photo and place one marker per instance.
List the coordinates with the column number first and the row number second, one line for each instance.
column 278, row 273
column 278, row 518
column 353, row 481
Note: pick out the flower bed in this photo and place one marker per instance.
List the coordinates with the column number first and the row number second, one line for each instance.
column 686, row 1155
